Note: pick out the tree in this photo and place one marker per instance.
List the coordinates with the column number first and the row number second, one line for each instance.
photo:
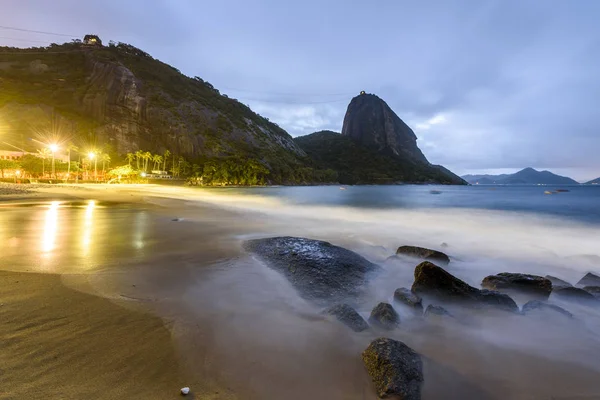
column 138, row 156
column 7, row 164
column 105, row 160
column 157, row 159
column 70, row 147
column 130, row 157
column 165, row 158
column 44, row 154
column 147, row 156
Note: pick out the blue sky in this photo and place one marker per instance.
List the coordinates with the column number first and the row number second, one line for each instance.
column 487, row 85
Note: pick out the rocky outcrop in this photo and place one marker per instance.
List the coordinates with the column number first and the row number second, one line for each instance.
column 589, row 280
column 348, row 316
column 321, row 272
column 556, row 282
column 395, row 369
column 408, row 298
column 537, row 306
column 435, row 282
column 384, row 316
column 436, row 310
column 423, row 254
column 372, row 123
column 531, row 284
column 576, row 295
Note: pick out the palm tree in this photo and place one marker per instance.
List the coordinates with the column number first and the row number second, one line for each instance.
column 105, row 160
column 165, row 158
column 147, row 157
column 44, row 154
column 70, row 147
column 138, row 156
column 130, row 157
column 157, row 161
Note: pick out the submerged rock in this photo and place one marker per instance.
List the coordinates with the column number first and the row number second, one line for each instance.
column 423, row 254
column 436, row 310
column 348, row 316
column 321, row 272
column 557, row 283
column 433, row 281
column 536, row 305
column 408, row 298
column 575, row 294
column 595, row 290
column 589, row 280
column 395, row 369
column 384, row 316
column 531, row 284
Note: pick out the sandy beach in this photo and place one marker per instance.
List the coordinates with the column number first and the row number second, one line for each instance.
column 136, row 291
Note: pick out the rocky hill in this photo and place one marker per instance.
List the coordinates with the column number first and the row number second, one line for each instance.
column 527, row 176
column 594, row 182
column 121, row 98
column 375, row 147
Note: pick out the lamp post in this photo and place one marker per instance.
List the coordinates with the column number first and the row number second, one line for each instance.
column 92, row 156
column 53, row 148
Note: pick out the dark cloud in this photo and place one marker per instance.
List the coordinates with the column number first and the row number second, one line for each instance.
column 486, row 85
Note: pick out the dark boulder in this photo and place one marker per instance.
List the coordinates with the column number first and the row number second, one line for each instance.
column 423, row 254
column 557, row 283
column 321, row 272
column 435, row 282
column 530, row 284
column 589, row 280
column 408, row 298
column 575, row 294
column 348, row 316
column 436, row 310
column 395, row 369
column 595, row 290
column 536, row 305
column 384, row 316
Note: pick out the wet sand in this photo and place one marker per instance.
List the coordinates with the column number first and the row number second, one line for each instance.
column 132, row 303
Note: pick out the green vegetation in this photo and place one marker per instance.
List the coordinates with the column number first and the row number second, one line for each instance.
column 356, row 164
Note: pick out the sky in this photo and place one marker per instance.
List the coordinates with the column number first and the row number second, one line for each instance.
column 489, row 86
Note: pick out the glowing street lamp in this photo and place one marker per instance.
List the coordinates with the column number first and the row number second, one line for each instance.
column 53, row 148
column 92, row 156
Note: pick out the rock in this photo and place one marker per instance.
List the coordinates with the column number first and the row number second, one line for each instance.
column 557, row 283
column 408, row 298
column 436, row 310
column 424, row 254
column 531, row 284
column 348, row 316
column 595, row 290
column 395, row 369
column 435, row 282
column 536, row 305
column 589, row 280
column 185, row 391
column 575, row 294
column 384, row 316
column 321, row 272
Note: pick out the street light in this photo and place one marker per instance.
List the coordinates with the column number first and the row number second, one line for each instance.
column 92, row 156
column 53, row 148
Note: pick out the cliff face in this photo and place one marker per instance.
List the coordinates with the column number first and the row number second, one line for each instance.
column 122, row 97
column 372, row 123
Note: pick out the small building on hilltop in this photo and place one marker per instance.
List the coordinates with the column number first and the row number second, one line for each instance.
column 363, row 92
column 92, row 40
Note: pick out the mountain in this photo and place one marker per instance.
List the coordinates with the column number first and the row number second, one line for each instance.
column 375, row 147
column 371, row 122
column 122, row 99
column 527, row 176
column 594, row 182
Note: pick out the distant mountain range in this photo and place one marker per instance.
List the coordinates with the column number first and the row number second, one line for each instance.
column 527, row 176
column 594, row 182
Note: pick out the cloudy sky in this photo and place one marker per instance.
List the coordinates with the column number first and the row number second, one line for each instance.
column 487, row 85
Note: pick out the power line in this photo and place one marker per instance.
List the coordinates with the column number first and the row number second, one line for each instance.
column 293, row 102
column 29, row 30
column 23, row 40
column 287, row 94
